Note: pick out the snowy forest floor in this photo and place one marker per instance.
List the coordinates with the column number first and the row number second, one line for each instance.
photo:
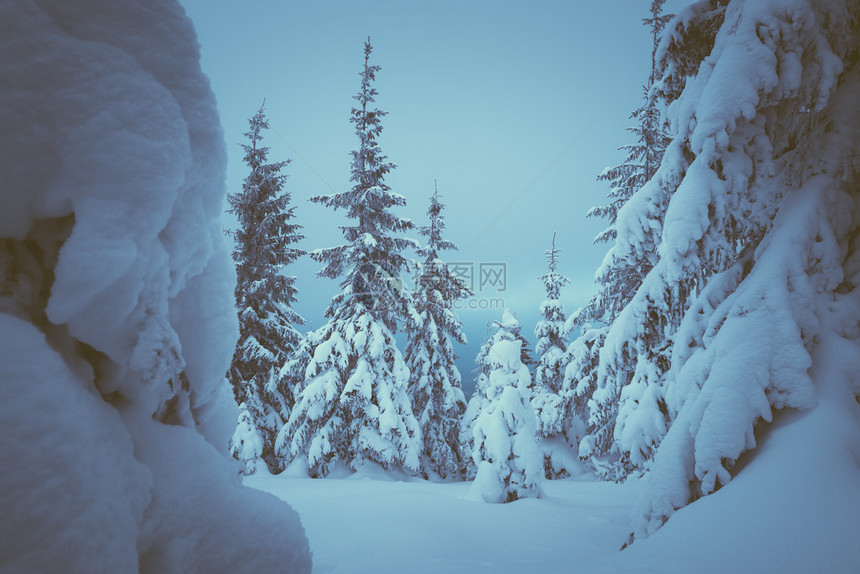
column 793, row 508
column 371, row 523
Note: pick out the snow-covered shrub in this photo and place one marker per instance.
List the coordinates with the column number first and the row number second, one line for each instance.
column 503, row 446
column 508, row 329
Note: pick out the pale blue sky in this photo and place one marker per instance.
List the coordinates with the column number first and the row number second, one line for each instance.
column 482, row 96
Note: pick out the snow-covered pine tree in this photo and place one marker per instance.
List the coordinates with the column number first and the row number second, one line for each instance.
column 550, row 330
column 264, row 247
column 508, row 329
column 761, row 235
column 504, row 448
column 352, row 406
column 434, row 382
column 630, row 356
column 550, row 399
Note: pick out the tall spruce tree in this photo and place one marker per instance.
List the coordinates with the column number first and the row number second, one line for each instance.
column 619, row 278
column 352, row 406
column 635, row 212
column 264, row 246
column 551, row 399
column 434, row 382
column 651, row 132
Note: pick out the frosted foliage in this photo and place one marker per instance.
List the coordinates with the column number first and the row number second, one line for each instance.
column 352, row 407
column 116, row 312
column 246, row 445
column 762, row 225
column 438, row 402
column 580, row 380
column 504, row 447
column 641, row 318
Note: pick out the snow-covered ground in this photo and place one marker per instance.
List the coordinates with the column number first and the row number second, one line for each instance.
column 793, row 508
column 370, row 523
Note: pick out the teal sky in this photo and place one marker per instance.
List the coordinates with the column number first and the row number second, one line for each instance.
column 512, row 107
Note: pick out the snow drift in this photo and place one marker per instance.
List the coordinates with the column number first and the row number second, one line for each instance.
column 116, row 313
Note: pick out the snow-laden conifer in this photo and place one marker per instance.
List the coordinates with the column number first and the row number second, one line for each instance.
column 635, row 213
column 434, row 383
column 508, row 329
column 760, row 236
column 551, row 399
column 352, row 406
column 651, row 133
column 550, row 329
column 504, row 449
column 264, row 246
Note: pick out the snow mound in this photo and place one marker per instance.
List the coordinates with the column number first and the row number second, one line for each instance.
column 116, row 303
column 70, row 480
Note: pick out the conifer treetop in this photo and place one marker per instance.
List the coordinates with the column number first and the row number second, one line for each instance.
column 433, row 232
column 436, row 287
column 656, row 22
column 371, row 262
column 552, row 255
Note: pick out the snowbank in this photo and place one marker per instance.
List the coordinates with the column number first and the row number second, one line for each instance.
column 116, row 311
